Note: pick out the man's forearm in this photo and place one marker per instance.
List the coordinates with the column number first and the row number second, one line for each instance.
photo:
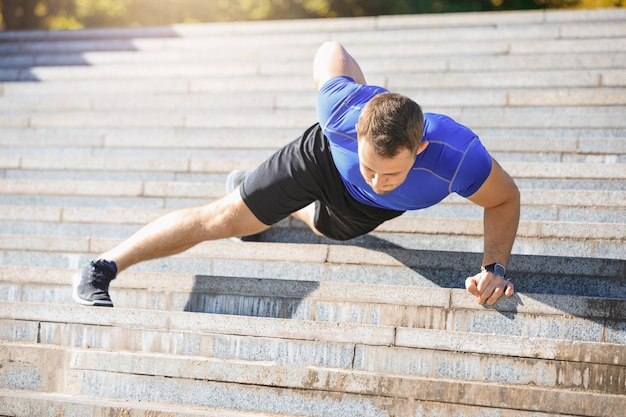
column 500, row 223
column 501, row 201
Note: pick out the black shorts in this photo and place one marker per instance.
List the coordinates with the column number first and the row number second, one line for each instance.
column 303, row 172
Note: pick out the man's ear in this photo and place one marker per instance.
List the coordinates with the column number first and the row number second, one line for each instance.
column 422, row 147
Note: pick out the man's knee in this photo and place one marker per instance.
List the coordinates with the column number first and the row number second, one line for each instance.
column 229, row 217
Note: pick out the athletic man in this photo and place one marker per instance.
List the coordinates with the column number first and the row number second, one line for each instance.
column 372, row 156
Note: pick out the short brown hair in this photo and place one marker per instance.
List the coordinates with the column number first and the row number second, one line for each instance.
column 391, row 122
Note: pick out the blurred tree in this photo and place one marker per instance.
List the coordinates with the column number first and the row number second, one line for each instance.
column 96, row 13
column 19, row 14
column 73, row 14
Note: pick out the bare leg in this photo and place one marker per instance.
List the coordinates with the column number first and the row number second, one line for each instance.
column 182, row 229
column 307, row 215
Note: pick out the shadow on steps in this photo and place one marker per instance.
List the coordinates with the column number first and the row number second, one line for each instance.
column 588, row 288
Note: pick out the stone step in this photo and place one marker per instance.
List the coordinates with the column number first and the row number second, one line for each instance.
column 462, row 41
column 492, row 41
column 569, row 19
column 337, row 295
column 13, row 157
column 565, row 200
column 540, row 117
column 511, row 39
column 207, row 138
column 332, row 391
column 565, row 222
column 41, row 66
column 542, row 359
column 227, row 160
column 489, row 33
column 601, row 96
column 509, row 80
column 453, row 219
column 160, row 118
column 264, row 386
column 478, row 118
column 379, row 30
column 553, row 217
column 32, row 163
column 603, row 71
column 212, row 165
column 105, row 172
column 23, row 403
column 395, row 259
column 449, row 64
column 545, row 139
column 375, row 259
column 82, row 161
column 302, row 82
column 563, row 239
column 27, row 142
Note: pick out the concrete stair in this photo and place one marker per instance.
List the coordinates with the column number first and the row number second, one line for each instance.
column 104, row 130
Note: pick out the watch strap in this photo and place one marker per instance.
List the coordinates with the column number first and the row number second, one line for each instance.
column 495, row 268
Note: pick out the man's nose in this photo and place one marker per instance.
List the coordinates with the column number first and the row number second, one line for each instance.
column 376, row 180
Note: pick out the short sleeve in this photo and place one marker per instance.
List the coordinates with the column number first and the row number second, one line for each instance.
column 332, row 95
column 473, row 170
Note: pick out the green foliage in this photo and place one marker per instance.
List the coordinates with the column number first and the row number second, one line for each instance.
column 73, row 14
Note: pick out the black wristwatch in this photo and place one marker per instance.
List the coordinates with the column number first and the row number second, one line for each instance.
column 496, row 268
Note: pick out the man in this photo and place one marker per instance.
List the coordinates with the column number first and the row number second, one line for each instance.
column 372, row 156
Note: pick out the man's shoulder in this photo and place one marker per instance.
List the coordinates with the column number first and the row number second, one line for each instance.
column 438, row 118
column 441, row 127
column 343, row 87
column 337, row 81
column 339, row 104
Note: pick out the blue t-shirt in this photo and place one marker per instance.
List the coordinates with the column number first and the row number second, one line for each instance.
column 454, row 161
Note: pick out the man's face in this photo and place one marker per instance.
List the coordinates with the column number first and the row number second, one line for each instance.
column 384, row 174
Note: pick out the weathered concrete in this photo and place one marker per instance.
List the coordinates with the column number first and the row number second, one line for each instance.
column 28, row 404
column 378, row 386
column 209, row 382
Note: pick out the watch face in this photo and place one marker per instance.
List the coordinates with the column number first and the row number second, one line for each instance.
column 499, row 270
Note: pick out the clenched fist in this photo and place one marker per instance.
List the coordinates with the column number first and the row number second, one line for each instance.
column 488, row 287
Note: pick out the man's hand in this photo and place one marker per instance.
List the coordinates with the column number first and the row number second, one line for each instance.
column 488, row 287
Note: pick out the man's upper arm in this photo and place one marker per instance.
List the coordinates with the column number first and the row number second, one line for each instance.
column 498, row 188
column 332, row 60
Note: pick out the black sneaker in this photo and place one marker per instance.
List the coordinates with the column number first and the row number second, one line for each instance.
column 234, row 180
column 91, row 286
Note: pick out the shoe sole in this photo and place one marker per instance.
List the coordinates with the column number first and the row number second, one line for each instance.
column 75, row 283
column 250, row 238
column 233, row 180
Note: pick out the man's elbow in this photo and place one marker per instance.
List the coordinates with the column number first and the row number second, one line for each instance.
column 509, row 191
